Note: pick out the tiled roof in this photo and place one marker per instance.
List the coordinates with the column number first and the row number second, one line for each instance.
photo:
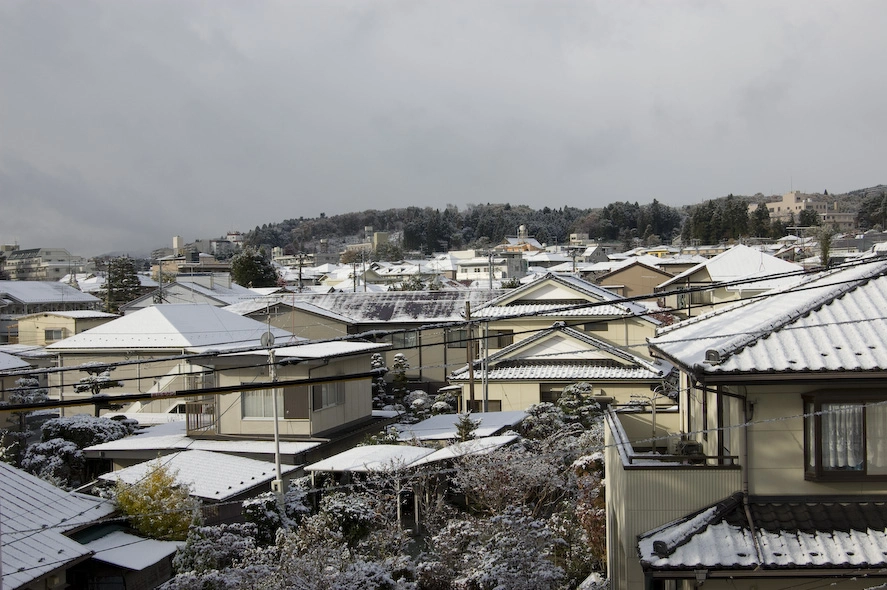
column 783, row 534
column 399, row 306
column 536, row 370
column 833, row 321
column 33, row 517
column 544, row 355
column 581, row 299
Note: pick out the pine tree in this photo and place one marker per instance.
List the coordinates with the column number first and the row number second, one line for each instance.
column 121, row 284
column 251, row 269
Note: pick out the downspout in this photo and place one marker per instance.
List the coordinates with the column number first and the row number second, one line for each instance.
column 743, row 469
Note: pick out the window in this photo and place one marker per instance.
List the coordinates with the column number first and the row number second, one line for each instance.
column 500, row 338
column 260, row 404
column 404, row 340
column 327, row 395
column 477, row 406
column 53, row 334
column 600, row 326
column 845, row 438
column 457, row 339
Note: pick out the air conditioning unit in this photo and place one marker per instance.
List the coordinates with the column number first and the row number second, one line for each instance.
column 688, row 447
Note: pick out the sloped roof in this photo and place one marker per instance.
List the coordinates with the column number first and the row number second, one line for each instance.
column 833, row 321
column 398, row 306
column 475, row 446
column 31, row 292
column 209, row 475
column 130, row 551
column 521, row 301
column 739, row 262
column 784, row 534
column 560, row 353
column 77, row 314
column 10, row 362
column 290, row 300
column 172, row 326
column 33, row 517
column 371, row 458
column 444, row 426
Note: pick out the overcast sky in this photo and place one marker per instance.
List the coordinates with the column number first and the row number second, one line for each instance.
column 124, row 123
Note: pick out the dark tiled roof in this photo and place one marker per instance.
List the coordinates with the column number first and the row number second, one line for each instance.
column 785, row 534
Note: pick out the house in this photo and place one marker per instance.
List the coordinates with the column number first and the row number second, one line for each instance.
column 213, row 288
column 151, row 346
column 737, row 273
column 55, row 539
column 635, row 278
column 772, row 474
column 425, row 326
column 47, row 327
column 538, row 368
column 523, row 312
column 20, row 298
column 171, row 348
column 9, row 362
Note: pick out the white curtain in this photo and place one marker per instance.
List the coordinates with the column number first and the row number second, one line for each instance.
column 842, row 433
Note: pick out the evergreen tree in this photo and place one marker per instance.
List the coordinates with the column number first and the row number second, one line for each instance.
column 251, row 268
column 121, row 284
column 158, row 505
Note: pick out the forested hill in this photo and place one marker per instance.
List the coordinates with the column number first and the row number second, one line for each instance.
column 434, row 230
column 431, row 230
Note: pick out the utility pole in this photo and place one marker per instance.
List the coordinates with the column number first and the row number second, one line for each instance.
column 469, row 352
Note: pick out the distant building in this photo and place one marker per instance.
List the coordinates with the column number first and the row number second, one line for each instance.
column 43, row 264
column 790, row 205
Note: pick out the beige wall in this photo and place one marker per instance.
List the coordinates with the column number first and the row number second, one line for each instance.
column 357, row 406
column 520, row 395
column 640, row 499
column 32, row 329
column 136, row 378
column 636, row 280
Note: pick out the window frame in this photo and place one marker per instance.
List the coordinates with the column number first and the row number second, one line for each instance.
column 813, row 435
column 265, row 393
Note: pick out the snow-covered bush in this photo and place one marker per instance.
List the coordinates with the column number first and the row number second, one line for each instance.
column 512, row 550
column 215, row 547
column 27, row 390
column 57, row 461
column 543, row 420
column 352, row 513
column 84, row 430
column 265, row 512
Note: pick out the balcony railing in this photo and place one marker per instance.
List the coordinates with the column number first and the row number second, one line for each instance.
column 641, row 442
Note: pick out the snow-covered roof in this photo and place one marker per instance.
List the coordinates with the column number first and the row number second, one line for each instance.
column 77, row 314
column 397, row 306
column 739, row 262
column 173, row 326
column 288, row 299
column 564, row 353
column 833, row 321
column 171, row 436
column 31, row 292
column 372, row 458
column 34, row 515
column 791, row 533
column 209, row 475
column 130, row 551
column 476, row 446
column 557, row 301
column 9, row 362
column 444, row 426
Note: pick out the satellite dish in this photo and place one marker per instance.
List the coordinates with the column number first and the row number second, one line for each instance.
column 267, row 340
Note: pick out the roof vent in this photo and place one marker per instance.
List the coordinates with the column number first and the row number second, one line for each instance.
column 712, row 356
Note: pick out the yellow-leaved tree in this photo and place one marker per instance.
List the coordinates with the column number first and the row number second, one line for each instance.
column 158, row 505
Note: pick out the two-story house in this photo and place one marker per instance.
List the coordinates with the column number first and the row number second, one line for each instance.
column 773, row 474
